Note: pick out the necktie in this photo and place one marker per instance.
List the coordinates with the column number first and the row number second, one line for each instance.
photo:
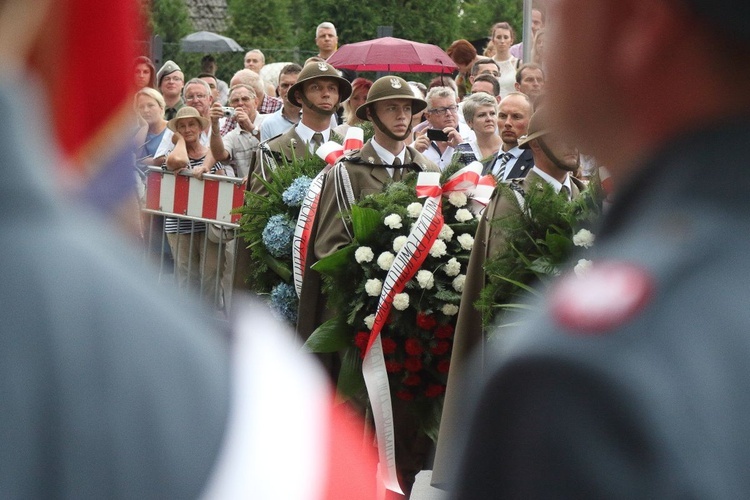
column 397, row 172
column 504, row 159
column 565, row 191
column 317, row 140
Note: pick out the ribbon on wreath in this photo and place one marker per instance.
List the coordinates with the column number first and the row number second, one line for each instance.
column 330, row 152
column 405, row 265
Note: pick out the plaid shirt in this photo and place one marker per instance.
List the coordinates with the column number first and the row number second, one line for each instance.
column 269, row 105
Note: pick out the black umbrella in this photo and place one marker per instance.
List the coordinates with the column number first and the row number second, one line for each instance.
column 206, row 41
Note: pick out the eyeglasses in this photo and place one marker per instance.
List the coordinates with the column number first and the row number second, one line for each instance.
column 195, row 97
column 442, row 111
column 172, row 79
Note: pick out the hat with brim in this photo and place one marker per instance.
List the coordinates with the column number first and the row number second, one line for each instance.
column 184, row 113
column 537, row 128
column 314, row 70
column 391, row 87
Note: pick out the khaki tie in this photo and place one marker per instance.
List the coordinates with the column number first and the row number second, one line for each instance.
column 317, row 140
column 397, row 172
column 565, row 191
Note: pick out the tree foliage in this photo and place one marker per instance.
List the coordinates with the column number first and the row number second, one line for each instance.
column 170, row 19
column 262, row 25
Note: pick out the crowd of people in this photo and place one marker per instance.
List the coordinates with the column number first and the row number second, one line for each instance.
column 486, row 114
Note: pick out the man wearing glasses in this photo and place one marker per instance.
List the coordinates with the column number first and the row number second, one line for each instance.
column 438, row 140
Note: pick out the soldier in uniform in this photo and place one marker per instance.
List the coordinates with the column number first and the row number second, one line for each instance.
column 554, row 163
column 390, row 106
column 632, row 380
column 318, row 91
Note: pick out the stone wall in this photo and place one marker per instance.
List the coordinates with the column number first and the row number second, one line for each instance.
column 208, row 15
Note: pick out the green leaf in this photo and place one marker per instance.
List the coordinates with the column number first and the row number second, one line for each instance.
column 559, row 246
column 351, row 383
column 365, row 222
column 331, row 336
column 335, row 262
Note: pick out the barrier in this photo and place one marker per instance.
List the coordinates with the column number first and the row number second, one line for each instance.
column 201, row 255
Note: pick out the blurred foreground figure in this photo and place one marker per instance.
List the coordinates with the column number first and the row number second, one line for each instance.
column 111, row 389
column 632, row 380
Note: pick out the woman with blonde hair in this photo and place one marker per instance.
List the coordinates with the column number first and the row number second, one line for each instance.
column 360, row 88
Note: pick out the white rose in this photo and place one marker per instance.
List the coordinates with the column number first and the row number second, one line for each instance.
column 398, row 243
column 393, row 221
column 438, row 249
column 385, row 260
column 584, row 238
column 446, row 233
column 401, row 301
column 450, row 310
column 457, row 199
column 363, row 254
column 369, row 321
column 414, row 209
column 582, row 267
column 425, row 279
column 463, row 215
column 466, row 240
column 373, row 287
column 458, row 282
column 453, row 267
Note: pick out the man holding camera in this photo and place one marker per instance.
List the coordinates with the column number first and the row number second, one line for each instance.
column 238, row 147
column 437, row 143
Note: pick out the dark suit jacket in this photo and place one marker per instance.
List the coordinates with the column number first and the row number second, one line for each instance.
column 521, row 167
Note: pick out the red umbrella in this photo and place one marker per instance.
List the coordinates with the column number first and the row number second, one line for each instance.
column 392, row 55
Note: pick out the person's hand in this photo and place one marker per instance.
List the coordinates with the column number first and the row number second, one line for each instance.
column 244, row 182
column 216, row 113
column 176, row 137
column 422, row 142
column 454, row 138
column 243, row 120
column 200, row 170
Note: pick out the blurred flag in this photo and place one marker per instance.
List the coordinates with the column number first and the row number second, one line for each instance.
column 85, row 63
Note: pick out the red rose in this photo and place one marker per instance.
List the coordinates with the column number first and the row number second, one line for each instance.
column 413, row 347
column 434, row 390
column 444, row 331
column 441, row 348
column 361, row 339
column 393, row 366
column 413, row 364
column 389, row 345
column 426, row 321
column 412, row 380
column 443, row 365
column 405, row 395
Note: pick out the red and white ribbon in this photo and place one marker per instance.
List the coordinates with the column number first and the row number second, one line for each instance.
column 330, row 152
column 354, row 139
column 405, row 265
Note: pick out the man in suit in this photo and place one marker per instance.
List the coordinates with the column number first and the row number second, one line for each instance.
column 632, row 381
column 385, row 158
column 318, row 91
column 554, row 164
column 513, row 116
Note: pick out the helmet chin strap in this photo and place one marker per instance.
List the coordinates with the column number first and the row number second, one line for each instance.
column 385, row 130
column 554, row 159
column 315, row 108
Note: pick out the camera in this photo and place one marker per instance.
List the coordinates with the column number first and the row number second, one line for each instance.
column 437, row 135
column 228, row 112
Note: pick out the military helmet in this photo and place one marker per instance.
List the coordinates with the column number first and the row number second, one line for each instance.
column 538, row 127
column 391, row 87
column 315, row 70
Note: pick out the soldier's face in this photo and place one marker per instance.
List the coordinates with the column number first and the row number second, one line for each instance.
column 566, row 154
column 323, row 93
column 394, row 114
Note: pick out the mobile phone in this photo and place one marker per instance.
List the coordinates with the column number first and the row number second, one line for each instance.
column 436, row 135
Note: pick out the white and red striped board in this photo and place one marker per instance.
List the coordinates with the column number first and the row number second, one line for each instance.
column 210, row 198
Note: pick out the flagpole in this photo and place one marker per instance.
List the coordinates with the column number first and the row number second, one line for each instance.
column 528, row 42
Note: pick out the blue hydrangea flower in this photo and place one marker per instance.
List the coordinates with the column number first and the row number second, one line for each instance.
column 284, row 302
column 295, row 193
column 277, row 235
